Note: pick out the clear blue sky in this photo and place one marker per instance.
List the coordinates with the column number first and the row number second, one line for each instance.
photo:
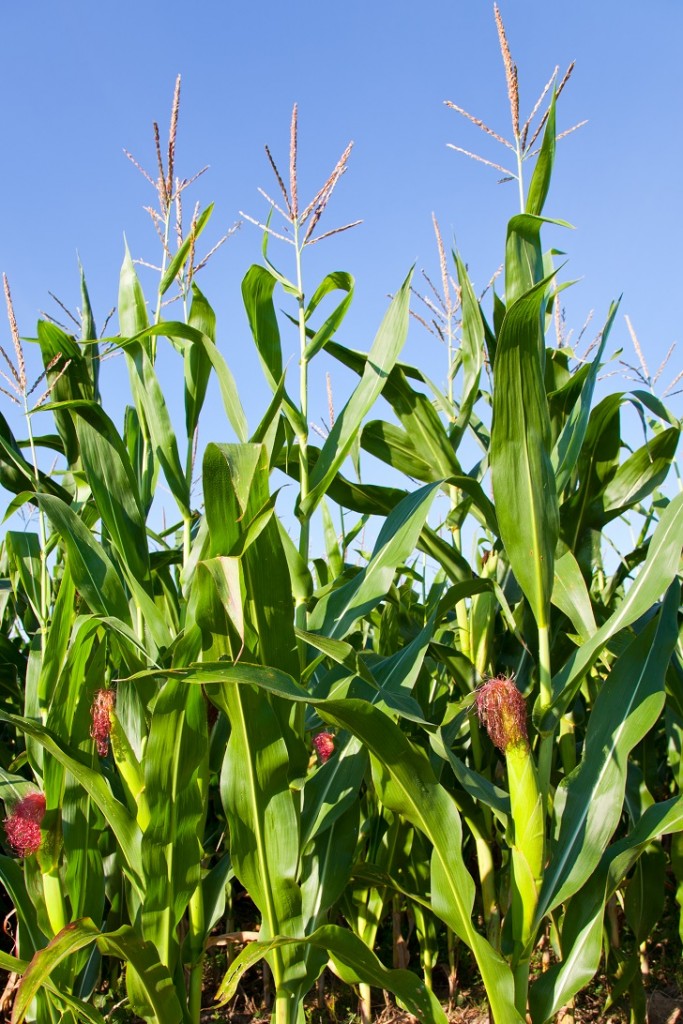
column 82, row 80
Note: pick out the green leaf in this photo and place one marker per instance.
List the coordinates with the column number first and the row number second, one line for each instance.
column 257, row 292
column 336, row 613
column 122, row 824
column 197, row 363
column 475, row 785
column 644, row 902
column 659, row 569
column 152, row 408
column 12, row 963
column 472, row 350
column 299, row 573
column 571, row 596
column 176, row 775
column 113, row 484
column 23, row 552
column 204, row 342
column 588, row 802
column 381, row 359
column 522, row 475
column 238, row 510
column 93, row 574
column 331, row 282
column 353, row 962
column 68, row 378
column 524, row 268
column 424, row 433
column 637, row 477
column 540, row 181
column 566, row 452
column 326, row 865
column 656, row 406
column 598, row 462
column 123, row 943
column 406, row 784
column 30, row 937
column 396, row 447
column 582, row 927
column 332, row 789
column 214, row 884
column 176, row 264
column 89, row 333
column 131, row 306
column 17, row 475
column 262, row 814
column 404, row 781
column 414, row 409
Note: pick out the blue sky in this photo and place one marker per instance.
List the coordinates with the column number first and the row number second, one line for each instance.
column 83, row 80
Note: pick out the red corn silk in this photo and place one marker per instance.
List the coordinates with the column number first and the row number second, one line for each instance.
column 100, row 711
column 22, row 827
column 324, row 745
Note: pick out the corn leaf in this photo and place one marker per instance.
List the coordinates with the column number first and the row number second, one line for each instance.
column 522, row 475
column 262, row 814
column 93, row 574
column 179, row 258
column 659, row 569
column 175, row 770
column 122, row 824
column 571, row 596
column 17, row 475
column 353, row 962
column 472, row 350
column 582, row 927
column 123, row 943
column 132, row 307
column 30, row 937
column 567, row 449
column 405, row 783
column 336, row 612
column 72, row 384
column 381, row 359
column 193, row 332
column 637, row 477
column 152, row 408
column 239, row 514
column 540, row 181
column 197, row 362
column 588, row 802
column 113, row 484
column 331, row 282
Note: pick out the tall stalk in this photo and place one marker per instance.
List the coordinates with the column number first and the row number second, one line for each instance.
column 20, row 396
column 302, row 225
column 304, row 518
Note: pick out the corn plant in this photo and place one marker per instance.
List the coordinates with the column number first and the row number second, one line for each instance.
column 493, row 739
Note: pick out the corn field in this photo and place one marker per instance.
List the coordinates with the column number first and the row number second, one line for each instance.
column 405, row 671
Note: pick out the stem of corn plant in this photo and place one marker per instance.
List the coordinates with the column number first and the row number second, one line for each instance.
column 545, row 681
column 304, row 535
column 528, row 816
column 286, row 1007
column 197, row 930
column 187, row 520
column 44, row 579
column 365, row 1003
column 428, row 968
column 452, row 942
column 164, row 259
column 520, row 178
column 54, row 901
column 487, row 877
